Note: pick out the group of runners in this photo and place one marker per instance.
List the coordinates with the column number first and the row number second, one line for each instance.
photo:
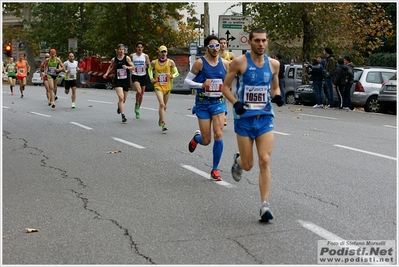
column 249, row 82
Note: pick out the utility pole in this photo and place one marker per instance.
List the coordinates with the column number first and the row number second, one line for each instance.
column 206, row 19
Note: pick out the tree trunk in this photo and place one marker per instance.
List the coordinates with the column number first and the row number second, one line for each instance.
column 29, row 54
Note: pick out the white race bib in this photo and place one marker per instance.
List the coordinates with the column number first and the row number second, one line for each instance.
column 163, row 79
column 121, row 73
column 255, row 96
column 215, row 88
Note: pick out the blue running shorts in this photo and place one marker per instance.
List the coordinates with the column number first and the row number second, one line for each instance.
column 254, row 126
column 207, row 108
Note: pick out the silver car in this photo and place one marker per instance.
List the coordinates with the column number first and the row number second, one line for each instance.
column 293, row 79
column 387, row 97
column 368, row 82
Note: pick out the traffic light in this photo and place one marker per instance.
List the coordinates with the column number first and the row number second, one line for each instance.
column 8, row 50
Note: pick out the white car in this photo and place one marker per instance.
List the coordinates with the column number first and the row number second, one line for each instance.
column 36, row 78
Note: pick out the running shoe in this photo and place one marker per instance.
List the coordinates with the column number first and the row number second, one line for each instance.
column 137, row 111
column 22, row 96
column 265, row 212
column 193, row 144
column 124, row 119
column 160, row 122
column 236, row 170
column 12, row 93
column 73, row 105
column 49, row 103
column 215, row 175
column 118, row 110
column 56, row 98
column 53, row 105
column 164, row 128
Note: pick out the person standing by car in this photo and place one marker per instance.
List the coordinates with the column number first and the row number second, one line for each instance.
column 316, row 74
column 43, row 74
column 23, row 70
column 257, row 87
column 121, row 64
column 10, row 69
column 161, row 72
column 140, row 61
column 349, row 82
column 71, row 71
column 82, row 70
column 53, row 66
column 330, row 67
column 281, row 75
column 340, row 75
column 207, row 76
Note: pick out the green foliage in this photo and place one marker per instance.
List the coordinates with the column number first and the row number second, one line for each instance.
column 382, row 59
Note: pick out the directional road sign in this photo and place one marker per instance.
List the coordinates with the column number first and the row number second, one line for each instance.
column 232, row 28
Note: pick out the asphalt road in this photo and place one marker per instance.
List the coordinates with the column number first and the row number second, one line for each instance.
column 334, row 176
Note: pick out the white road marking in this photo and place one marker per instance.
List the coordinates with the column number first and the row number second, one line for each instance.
column 81, row 125
column 44, row 115
column 315, row 116
column 206, row 175
column 149, row 108
column 390, row 126
column 281, row 133
column 366, row 152
column 5, row 107
column 128, row 143
column 104, row 102
column 327, row 235
column 192, row 116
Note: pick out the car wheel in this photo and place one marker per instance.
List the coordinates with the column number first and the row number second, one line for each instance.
column 372, row 104
column 290, row 99
column 108, row 86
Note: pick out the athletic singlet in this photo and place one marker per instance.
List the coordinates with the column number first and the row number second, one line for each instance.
column 10, row 69
column 71, row 66
column 253, row 88
column 163, row 82
column 216, row 73
column 139, row 64
column 121, row 74
column 227, row 56
column 52, row 66
column 22, row 68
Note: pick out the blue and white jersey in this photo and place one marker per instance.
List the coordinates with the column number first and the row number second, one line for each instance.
column 253, row 88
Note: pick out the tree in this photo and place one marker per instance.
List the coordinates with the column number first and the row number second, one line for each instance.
column 347, row 28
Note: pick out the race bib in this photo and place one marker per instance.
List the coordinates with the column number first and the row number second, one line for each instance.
column 215, row 88
column 139, row 70
column 72, row 76
column 255, row 96
column 21, row 70
column 52, row 70
column 121, row 73
column 163, row 79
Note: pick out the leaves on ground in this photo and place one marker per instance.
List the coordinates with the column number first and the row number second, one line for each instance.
column 114, row 152
column 31, row 230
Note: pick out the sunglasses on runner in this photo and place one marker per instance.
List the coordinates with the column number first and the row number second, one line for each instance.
column 213, row 46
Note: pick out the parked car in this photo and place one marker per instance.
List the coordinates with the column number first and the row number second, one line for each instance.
column 36, row 78
column 304, row 94
column 61, row 81
column 368, row 82
column 387, row 97
column 293, row 79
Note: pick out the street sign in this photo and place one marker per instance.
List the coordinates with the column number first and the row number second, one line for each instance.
column 232, row 28
column 193, row 48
